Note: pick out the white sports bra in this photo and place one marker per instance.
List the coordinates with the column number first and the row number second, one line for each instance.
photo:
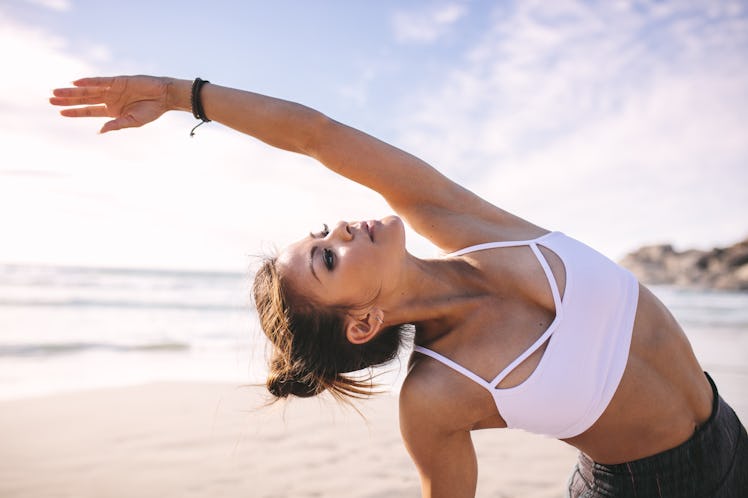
column 588, row 343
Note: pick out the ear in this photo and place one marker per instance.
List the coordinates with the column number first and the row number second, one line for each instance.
column 362, row 330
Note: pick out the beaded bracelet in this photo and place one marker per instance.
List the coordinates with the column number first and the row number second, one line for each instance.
column 197, row 104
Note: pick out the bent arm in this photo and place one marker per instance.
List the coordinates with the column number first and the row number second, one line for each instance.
column 447, row 467
column 445, row 457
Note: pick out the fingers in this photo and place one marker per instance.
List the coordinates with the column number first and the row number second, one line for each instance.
column 92, row 111
column 77, row 93
column 65, row 101
column 80, row 95
column 86, row 87
column 126, row 121
column 83, row 82
column 113, row 98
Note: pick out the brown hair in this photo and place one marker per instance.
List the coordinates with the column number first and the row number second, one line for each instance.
column 310, row 349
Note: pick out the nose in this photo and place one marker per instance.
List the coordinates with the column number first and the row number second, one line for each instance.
column 343, row 231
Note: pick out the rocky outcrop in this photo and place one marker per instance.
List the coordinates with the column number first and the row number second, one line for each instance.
column 720, row 268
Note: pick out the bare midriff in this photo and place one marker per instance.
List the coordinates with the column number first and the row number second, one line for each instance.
column 662, row 398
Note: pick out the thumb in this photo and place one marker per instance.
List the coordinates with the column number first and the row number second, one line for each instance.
column 126, row 121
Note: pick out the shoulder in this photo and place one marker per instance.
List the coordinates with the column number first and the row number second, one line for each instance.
column 423, row 399
column 445, row 398
column 456, row 227
column 421, row 389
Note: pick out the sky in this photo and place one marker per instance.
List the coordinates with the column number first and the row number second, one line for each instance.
column 621, row 123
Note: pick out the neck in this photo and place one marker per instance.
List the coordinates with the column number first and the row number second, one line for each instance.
column 434, row 295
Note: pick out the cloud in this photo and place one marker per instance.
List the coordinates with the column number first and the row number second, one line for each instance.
column 357, row 92
column 32, row 79
column 150, row 197
column 426, row 25
column 620, row 124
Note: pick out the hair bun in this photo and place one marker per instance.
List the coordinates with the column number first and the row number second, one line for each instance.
column 282, row 387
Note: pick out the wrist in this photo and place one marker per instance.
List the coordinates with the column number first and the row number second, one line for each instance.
column 178, row 93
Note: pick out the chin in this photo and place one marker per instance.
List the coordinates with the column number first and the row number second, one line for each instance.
column 396, row 225
column 392, row 220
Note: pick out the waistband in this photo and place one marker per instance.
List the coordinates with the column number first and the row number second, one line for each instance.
column 706, row 457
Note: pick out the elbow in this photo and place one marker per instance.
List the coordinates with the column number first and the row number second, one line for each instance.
column 317, row 131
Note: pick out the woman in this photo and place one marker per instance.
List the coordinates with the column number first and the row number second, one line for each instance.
column 517, row 327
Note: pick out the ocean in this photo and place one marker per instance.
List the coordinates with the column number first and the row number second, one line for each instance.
column 71, row 328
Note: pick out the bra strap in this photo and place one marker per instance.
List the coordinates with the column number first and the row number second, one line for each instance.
column 451, row 364
column 550, row 277
column 495, row 245
column 551, row 328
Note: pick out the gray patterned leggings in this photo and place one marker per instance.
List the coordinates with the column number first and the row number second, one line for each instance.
column 713, row 463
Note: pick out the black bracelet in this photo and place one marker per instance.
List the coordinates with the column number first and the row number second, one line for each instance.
column 197, row 103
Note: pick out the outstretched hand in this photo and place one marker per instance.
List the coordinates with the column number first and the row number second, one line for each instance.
column 131, row 100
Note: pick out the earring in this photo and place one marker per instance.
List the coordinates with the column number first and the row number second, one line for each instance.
column 381, row 320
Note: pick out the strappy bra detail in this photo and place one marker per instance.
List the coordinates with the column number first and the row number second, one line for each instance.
column 495, row 245
column 533, row 244
column 588, row 342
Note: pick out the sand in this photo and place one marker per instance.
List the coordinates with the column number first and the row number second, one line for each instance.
column 214, row 440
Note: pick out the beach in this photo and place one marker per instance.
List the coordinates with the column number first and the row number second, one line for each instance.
column 211, row 440
column 182, row 439
column 133, row 383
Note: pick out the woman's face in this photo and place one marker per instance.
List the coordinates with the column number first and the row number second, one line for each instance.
column 349, row 264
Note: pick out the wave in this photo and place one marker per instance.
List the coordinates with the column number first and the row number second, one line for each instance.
column 106, row 303
column 63, row 348
column 35, row 272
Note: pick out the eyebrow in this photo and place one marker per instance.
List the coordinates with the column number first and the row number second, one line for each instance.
column 311, row 263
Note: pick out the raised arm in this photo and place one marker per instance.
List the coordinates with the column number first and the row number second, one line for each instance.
column 441, row 210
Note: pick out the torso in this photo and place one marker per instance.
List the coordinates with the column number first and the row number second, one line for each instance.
column 662, row 396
